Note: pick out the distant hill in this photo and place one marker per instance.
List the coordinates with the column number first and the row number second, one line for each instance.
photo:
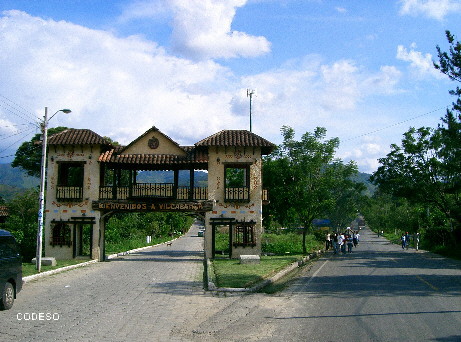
column 14, row 181
column 365, row 179
column 200, row 177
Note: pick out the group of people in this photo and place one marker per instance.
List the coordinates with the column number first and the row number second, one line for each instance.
column 340, row 241
column 405, row 239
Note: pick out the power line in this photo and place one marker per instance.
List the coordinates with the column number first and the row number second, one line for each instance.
column 14, row 134
column 396, row 124
column 11, row 155
column 15, row 142
column 16, row 109
column 11, row 134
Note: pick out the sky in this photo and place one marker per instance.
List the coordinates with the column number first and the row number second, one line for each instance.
column 362, row 69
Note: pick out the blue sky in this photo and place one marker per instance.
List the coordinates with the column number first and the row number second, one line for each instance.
column 362, row 69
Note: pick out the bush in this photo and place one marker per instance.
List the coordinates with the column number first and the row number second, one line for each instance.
column 290, row 243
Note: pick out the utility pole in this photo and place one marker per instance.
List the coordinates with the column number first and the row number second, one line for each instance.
column 250, row 93
column 41, row 210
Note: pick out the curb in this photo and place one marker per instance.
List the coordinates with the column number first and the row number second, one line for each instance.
column 83, row 264
column 241, row 290
column 58, row 270
column 131, row 251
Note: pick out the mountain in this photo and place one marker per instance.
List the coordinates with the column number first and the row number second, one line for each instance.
column 14, row 181
column 200, row 177
column 365, row 179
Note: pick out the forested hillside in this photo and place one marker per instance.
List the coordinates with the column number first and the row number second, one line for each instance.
column 14, row 181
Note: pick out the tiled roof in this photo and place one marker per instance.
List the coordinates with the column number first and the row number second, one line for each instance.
column 77, row 137
column 194, row 157
column 3, row 211
column 240, row 138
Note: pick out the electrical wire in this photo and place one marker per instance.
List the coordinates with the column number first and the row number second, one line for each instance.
column 17, row 141
column 15, row 109
column 396, row 124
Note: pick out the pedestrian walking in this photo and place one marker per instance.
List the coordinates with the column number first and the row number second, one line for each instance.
column 327, row 241
column 407, row 240
column 402, row 239
column 355, row 238
column 350, row 243
column 416, row 240
column 334, row 241
column 342, row 243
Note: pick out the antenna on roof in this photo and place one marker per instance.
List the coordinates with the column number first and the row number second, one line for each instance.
column 250, row 93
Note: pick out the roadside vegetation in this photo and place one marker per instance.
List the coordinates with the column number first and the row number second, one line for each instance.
column 129, row 231
column 280, row 249
column 419, row 181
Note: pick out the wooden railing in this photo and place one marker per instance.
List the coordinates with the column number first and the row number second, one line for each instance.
column 199, row 193
column 110, row 192
column 152, row 190
column 265, row 196
column 241, row 194
column 69, row 193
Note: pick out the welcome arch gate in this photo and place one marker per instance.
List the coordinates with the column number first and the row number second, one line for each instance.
column 109, row 180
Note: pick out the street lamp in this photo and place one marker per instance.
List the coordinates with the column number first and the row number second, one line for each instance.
column 44, row 127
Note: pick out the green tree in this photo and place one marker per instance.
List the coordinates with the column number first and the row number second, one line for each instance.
column 304, row 178
column 426, row 168
column 450, row 65
column 418, row 171
column 29, row 155
column 22, row 222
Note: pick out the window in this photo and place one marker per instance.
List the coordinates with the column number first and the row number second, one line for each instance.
column 60, row 235
column 244, row 234
column 70, row 181
column 237, row 183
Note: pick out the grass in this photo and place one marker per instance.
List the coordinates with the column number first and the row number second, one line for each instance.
column 29, row 268
column 283, row 249
column 123, row 246
column 230, row 273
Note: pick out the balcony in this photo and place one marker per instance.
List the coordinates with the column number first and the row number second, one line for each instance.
column 237, row 194
column 153, row 191
column 147, row 191
column 69, row 193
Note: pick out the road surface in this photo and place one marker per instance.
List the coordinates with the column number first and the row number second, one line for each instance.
column 377, row 293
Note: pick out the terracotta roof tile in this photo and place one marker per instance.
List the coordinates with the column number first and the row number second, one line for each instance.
column 194, row 156
column 240, row 138
column 77, row 137
column 3, row 211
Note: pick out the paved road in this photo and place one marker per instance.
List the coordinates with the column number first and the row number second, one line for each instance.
column 377, row 293
column 146, row 296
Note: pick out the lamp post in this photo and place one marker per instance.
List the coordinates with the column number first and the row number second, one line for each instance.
column 44, row 127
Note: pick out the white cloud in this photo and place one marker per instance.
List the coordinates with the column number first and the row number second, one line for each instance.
column 202, row 28
column 436, row 9
column 382, row 82
column 120, row 87
column 420, row 63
